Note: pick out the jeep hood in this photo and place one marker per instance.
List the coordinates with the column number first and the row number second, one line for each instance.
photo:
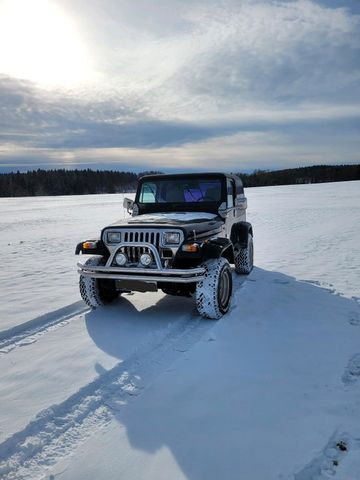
column 173, row 217
column 190, row 222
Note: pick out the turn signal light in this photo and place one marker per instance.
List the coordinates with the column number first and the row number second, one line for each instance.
column 89, row 245
column 190, row 247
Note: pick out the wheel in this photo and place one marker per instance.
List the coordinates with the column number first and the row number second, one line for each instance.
column 213, row 293
column 95, row 291
column 244, row 258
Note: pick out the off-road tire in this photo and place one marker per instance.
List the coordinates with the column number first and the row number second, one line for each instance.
column 244, row 258
column 214, row 292
column 94, row 291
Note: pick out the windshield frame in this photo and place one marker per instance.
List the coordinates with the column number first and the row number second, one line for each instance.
column 211, row 207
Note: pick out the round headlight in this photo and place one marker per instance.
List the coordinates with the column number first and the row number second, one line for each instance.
column 121, row 259
column 145, row 259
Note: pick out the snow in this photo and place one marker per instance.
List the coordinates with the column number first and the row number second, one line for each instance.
column 179, row 216
column 37, row 244
column 145, row 389
column 310, row 232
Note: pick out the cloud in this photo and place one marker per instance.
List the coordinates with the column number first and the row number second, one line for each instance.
column 197, row 58
column 267, row 83
column 29, row 118
column 240, row 152
column 271, row 53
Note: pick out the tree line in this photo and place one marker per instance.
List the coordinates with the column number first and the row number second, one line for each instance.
column 67, row 182
column 290, row 176
column 82, row 182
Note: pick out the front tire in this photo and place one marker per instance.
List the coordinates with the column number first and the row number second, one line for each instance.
column 244, row 258
column 213, row 293
column 94, row 291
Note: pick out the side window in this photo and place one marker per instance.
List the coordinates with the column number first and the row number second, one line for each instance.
column 148, row 192
column 239, row 188
column 230, row 187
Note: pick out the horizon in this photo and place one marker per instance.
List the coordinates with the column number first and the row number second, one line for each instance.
column 137, row 171
column 245, row 84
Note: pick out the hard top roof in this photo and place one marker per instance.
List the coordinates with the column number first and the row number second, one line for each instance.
column 168, row 176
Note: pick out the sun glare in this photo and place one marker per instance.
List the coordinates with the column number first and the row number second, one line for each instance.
column 40, row 43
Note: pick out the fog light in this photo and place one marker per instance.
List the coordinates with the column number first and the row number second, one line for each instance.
column 145, row 259
column 121, row 259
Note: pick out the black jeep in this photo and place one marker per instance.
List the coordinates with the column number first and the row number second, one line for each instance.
column 184, row 232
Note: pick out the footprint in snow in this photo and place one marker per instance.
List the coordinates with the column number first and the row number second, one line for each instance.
column 325, row 464
column 354, row 318
column 352, row 371
column 211, row 337
column 312, row 282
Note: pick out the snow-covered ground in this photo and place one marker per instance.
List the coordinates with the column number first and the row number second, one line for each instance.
column 37, row 245
column 145, row 389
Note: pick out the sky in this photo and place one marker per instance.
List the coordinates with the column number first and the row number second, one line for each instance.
column 176, row 85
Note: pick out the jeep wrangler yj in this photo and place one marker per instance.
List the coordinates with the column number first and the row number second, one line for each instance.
column 184, row 232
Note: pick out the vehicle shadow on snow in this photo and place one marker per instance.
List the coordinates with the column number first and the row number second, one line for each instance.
column 272, row 318
column 114, row 326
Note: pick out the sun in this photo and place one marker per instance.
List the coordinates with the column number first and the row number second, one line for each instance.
column 40, row 43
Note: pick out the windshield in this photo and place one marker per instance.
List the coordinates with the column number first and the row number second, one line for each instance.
column 180, row 191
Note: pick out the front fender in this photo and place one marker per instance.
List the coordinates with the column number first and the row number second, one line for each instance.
column 219, row 247
column 240, row 233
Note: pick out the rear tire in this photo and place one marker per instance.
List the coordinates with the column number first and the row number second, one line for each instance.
column 94, row 291
column 213, row 293
column 244, row 258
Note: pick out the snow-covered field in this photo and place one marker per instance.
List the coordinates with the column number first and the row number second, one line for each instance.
column 145, row 389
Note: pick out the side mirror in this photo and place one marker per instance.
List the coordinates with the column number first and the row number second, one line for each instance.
column 241, row 202
column 128, row 205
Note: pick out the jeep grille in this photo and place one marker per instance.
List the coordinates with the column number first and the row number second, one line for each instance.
column 148, row 236
column 143, row 235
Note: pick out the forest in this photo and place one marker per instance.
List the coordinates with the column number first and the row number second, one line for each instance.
column 81, row 182
column 314, row 174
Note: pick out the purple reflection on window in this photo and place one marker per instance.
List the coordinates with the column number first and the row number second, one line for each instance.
column 192, row 195
column 206, row 191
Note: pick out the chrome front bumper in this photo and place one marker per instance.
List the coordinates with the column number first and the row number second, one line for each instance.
column 143, row 274
column 138, row 273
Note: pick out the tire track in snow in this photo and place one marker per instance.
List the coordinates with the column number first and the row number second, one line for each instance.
column 56, row 431
column 29, row 332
